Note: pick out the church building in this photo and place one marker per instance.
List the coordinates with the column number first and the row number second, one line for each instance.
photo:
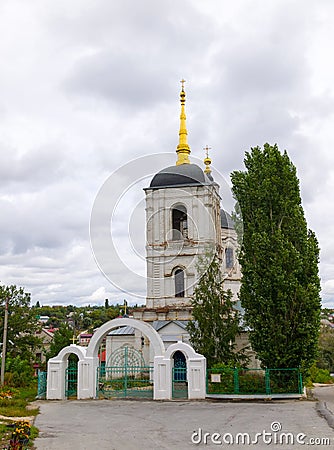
column 184, row 222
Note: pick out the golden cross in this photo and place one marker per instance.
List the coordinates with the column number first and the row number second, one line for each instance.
column 207, row 150
column 182, row 82
column 74, row 339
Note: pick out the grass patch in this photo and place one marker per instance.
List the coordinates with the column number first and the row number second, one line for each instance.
column 13, row 403
column 27, row 393
column 17, row 410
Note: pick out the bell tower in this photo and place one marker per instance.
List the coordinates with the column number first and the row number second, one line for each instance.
column 182, row 225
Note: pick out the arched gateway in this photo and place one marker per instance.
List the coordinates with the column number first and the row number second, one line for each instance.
column 89, row 362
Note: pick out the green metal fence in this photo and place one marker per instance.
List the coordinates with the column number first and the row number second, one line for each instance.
column 125, row 382
column 236, row 381
column 287, row 381
column 179, row 382
column 42, row 380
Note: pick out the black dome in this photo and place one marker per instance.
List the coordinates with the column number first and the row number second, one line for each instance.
column 184, row 174
column 226, row 220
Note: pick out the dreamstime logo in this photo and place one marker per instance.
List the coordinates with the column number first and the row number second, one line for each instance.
column 273, row 437
column 120, row 217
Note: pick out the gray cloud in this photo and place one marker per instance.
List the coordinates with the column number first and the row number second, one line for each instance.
column 129, row 82
column 35, row 168
column 142, row 51
column 87, row 88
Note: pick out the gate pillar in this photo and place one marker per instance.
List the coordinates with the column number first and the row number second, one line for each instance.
column 162, row 379
column 196, row 369
column 87, row 369
column 56, row 380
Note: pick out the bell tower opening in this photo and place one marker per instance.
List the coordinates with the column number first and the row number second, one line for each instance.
column 179, row 223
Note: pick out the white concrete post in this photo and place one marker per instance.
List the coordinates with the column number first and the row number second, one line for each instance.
column 94, row 364
column 196, row 369
column 162, row 379
column 56, row 380
column 87, row 378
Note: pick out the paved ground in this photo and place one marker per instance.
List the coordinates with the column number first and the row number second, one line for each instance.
column 325, row 396
column 146, row 425
column 325, row 393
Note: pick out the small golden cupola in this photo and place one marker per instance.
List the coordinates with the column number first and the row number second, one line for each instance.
column 207, row 161
column 183, row 149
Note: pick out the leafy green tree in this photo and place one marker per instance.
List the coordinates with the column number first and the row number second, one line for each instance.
column 279, row 259
column 22, row 338
column 87, row 322
column 326, row 349
column 76, row 318
column 61, row 338
column 216, row 323
column 101, row 315
column 112, row 312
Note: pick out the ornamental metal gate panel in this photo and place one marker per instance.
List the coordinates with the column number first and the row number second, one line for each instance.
column 179, row 376
column 42, row 380
column 125, row 376
column 71, row 380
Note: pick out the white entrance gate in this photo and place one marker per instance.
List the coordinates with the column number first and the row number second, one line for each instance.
column 162, row 372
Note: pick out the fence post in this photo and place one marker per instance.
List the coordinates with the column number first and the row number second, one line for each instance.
column 300, row 382
column 236, row 380
column 267, row 377
column 97, row 387
column 207, row 381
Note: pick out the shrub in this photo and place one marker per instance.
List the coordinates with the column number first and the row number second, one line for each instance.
column 19, row 372
column 320, row 375
column 252, row 382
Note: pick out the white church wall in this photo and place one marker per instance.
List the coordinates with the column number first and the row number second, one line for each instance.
column 165, row 254
column 172, row 328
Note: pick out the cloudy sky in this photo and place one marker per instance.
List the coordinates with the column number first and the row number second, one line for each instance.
column 89, row 108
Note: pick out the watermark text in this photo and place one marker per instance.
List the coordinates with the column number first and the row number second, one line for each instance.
column 273, row 437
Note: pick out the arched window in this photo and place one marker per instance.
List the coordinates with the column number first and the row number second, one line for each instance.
column 179, row 222
column 179, row 283
column 229, row 258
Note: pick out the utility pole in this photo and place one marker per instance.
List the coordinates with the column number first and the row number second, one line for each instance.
column 4, row 343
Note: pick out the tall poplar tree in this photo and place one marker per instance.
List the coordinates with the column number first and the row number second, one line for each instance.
column 279, row 258
column 216, row 323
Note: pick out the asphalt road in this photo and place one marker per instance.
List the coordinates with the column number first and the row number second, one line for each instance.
column 325, row 393
column 146, row 425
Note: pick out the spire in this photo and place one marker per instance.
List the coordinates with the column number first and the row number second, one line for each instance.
column 207, row 161
column 183, row 149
